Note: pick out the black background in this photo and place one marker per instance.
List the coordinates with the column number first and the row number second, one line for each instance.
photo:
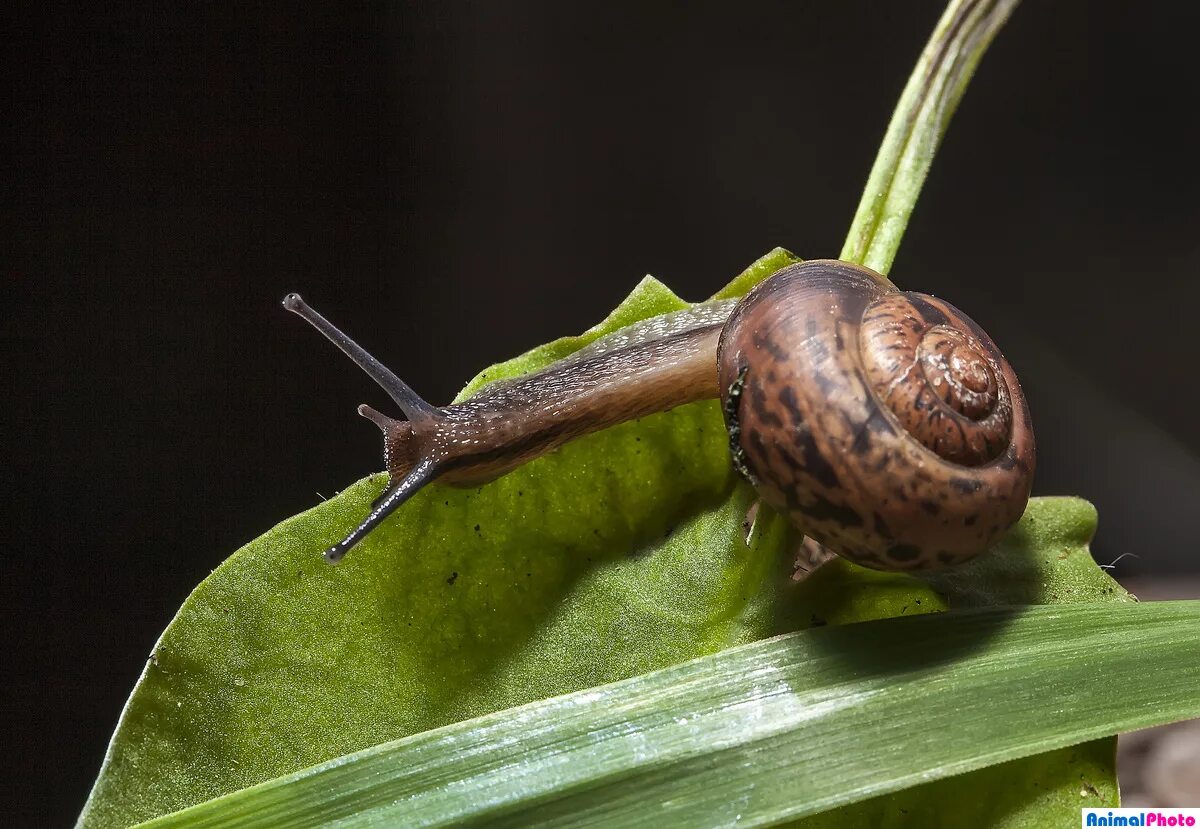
column 456, row 183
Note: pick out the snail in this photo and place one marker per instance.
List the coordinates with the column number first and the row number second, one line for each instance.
column 885, row 424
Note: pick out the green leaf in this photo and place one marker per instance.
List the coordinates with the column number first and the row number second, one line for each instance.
column 917, row 126
column 1044, row 790
column 621, row 553
column 784, row 728
column 1042, row 560
column 278, row 661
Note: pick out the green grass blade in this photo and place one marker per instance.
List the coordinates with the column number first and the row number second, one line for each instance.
column 761, row 733
column 921, row 117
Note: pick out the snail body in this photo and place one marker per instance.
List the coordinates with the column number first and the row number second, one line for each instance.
column 886, row 425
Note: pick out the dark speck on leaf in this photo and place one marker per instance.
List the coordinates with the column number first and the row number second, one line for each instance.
column 476, row 528
column 453, row 577
column 447, row 503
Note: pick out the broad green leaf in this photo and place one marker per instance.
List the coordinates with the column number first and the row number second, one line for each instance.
column 787, row 727
column 621, row 553
column 1044, row 790
column 260, row 671
column 1042, row 560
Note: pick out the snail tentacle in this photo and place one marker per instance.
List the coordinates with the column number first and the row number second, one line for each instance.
column 411, row 403
column 387, row 503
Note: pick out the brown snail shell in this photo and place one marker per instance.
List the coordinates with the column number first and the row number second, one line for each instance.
column 886, row 425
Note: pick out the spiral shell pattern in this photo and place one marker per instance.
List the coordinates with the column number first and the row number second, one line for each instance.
column 887, row 425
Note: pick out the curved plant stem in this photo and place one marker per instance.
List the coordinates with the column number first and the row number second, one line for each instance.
column 921, row 117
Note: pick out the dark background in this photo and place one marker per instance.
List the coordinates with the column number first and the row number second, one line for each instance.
column 456, row 183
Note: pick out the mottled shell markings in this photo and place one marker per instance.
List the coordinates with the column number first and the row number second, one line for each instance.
column 886, row 425
column 937, row 378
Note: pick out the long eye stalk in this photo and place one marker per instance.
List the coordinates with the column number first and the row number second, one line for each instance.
column 414, row 408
